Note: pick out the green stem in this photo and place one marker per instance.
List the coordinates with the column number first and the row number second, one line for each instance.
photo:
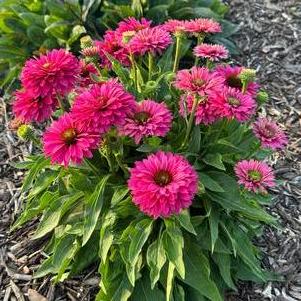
column 134, row 70
column 199, row 42
column 150, row 65
column 64, row 105
column 209, row 64
column 177, row 55
column 190, row 121
column 123, row 167
column 244, row 87
column 93, row 168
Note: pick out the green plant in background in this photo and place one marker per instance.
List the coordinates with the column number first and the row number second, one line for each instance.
column 31, row 27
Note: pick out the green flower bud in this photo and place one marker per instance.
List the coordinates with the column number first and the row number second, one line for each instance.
column 25, row 132
column 86, row 42
column 150, row 86
column 262, row 97
column 170, row 77
column 247, row 75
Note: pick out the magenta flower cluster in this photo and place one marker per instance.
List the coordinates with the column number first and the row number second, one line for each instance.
column 163, row 183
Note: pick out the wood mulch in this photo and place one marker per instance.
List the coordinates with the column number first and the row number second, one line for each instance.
column 269, row 40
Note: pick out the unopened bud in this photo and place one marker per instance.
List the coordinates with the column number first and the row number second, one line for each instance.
column 25, row 132
column 262, row 97
column 247, row 75
column 86, row 42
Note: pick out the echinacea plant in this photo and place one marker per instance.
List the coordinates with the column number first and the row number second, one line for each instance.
column 150, row 166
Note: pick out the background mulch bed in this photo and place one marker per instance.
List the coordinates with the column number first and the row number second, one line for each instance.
column 269, row 40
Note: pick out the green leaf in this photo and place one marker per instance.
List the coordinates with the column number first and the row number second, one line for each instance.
column 213, row 224
column 93, row 208
column 44, row 269
column 35, row 207
column 166, row 61
column 230, row 199
column 169, row 282
column 198, row 273
column 106, row 235
column 44, row 181
column 38, row 165
column 141, row 233
column 155, row 259
column 246, row 253
column 32, row 18
column 76, row 32
column 223, row 261
column 57, row 27
column 86, row 255
column 119, row 194
column 173, row 243
column 184, row 220
column 64, row 252
column 144, row 292
column 209, row 183
column 195, row 142
column 214, row 160
column 114, row 282
column 56, row 210
column 36, row 35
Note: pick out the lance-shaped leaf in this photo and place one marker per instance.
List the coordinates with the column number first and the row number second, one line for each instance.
column 93, row 209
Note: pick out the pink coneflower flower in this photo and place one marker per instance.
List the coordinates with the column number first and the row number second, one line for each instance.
column 211, row 52
column 234, row 104
column 110, row 45
column 129, row 27
column 175, row 26
column 199, row 80
column 87, row 69
column 150, row 40
column 202, row 26
column 269, row 134
column 55, row 71
column 103, row 106
column 254, row 175
column 65, row 141
column 148, row 119
column 205, row 112
column 232, row 80
column 30, row 107
column 163, row 184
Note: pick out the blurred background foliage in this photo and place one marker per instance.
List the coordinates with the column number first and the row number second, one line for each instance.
column 30, row 27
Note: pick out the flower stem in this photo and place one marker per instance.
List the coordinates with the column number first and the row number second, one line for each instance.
column 150, row 65
column 123, row 167
column 177, row 55
column 199, row 42
column 134, row 70
column 64, row 105
column 190, row 121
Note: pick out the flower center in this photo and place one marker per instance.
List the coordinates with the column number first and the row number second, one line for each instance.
column 254, row 175
column 269, row 131
column 141, row 117
column 69, row 136
column 233, row 101
column 46, row 65
column 234, row 82
column 163, row 178
column 198, row 82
